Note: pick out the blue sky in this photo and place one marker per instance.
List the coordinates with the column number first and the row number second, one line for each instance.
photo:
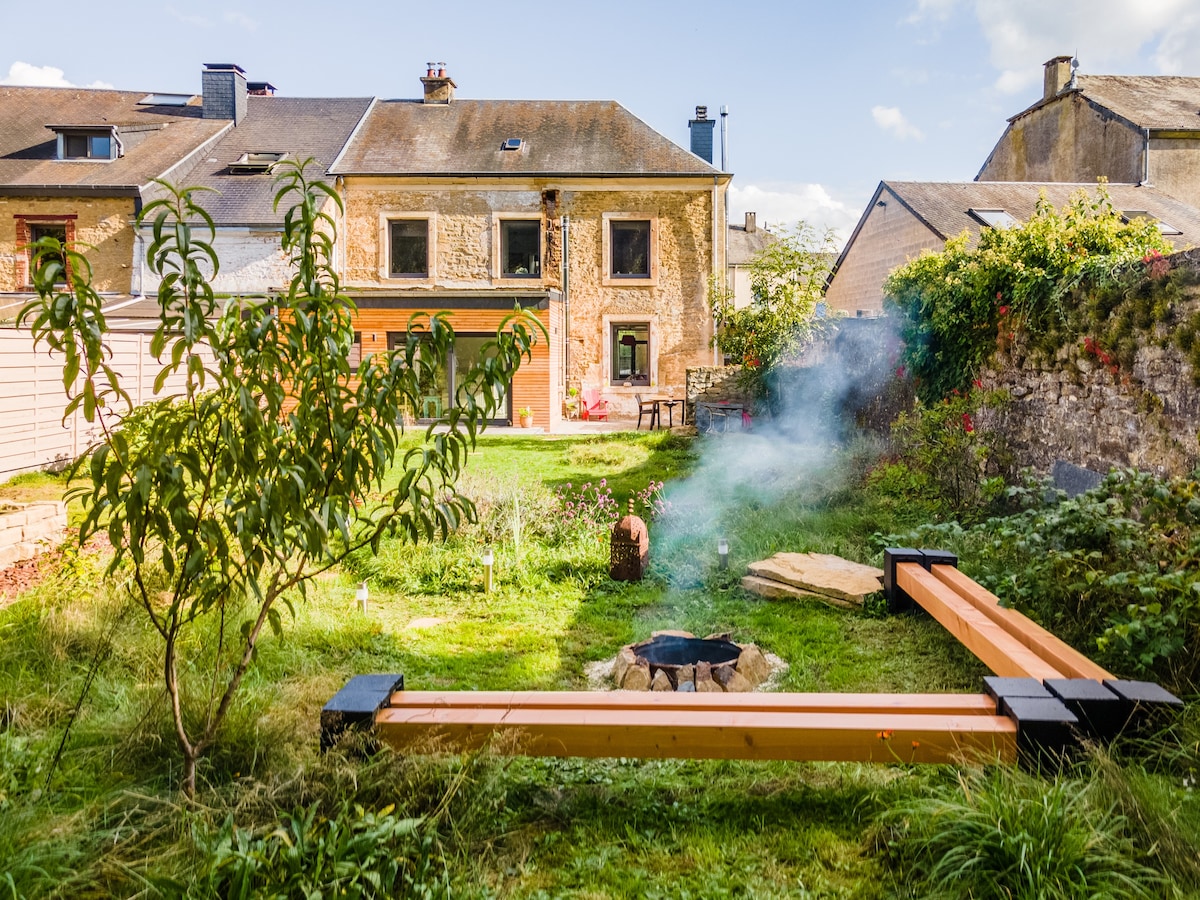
column 825, row 99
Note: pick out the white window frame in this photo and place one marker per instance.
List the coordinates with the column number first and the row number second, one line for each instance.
column 606, row 276
column 385, row 246
column 498, row 274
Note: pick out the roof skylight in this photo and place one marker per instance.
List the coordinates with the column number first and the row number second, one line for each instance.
column 256, row 163
column 1164, row 227
column 994, row 218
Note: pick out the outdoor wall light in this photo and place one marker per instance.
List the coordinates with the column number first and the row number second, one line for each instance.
column 723, row 553
column 487, row 559
column 361, row 596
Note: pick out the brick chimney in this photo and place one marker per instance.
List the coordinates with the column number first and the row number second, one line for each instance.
column 223, row 86
column 1058, row 76
column 439, row 87
column 701, row 129
column 751, row 222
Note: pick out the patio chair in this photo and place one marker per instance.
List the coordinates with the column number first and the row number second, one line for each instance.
column 594, row 406
column 646, row 407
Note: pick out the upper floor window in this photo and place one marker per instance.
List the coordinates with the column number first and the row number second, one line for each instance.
column 408, row 251
column 520, row 248
column 630, row 244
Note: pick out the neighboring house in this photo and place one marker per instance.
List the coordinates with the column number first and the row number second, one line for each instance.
column 743, row 243
column 1140, row 133
column 238, row 174
column 907, row 217
column 1126, row 128
column 78, row 164
column 576, row 209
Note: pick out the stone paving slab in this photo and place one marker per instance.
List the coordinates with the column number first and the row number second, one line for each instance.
column 821, row 573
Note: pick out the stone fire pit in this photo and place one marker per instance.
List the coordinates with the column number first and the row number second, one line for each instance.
column 680, row 661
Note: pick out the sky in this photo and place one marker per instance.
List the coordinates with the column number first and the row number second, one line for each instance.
column 825, row 99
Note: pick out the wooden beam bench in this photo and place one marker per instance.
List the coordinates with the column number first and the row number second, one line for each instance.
column 1044, row 694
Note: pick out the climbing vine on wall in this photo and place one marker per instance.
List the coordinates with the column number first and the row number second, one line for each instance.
column 957, row 305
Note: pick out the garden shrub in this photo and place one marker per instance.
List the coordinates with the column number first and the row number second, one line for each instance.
column 1112, row 571
column 942, row 458
column 956, row 305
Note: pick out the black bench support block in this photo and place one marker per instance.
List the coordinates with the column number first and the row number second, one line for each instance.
column 355, row 705
column 1045, row 729
column 897, row 600
column 998, row 687
column 1143, row 702
column 1101, row 712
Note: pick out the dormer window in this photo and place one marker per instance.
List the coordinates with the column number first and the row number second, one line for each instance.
column 256, row 163
column 994, row 218
column 83, row 142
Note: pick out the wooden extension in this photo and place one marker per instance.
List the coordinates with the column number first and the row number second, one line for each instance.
column 926, row 728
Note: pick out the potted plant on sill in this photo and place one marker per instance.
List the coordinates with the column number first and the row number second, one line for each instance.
column 526, row 415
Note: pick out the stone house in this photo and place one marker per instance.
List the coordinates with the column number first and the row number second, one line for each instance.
column 78, row 164
column 575, row 209
column 743, row 243
column 1134, row 129
column 905, row 218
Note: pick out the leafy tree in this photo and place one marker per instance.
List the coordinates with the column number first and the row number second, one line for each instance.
column 229, row 499
column 787, row 279
column 954, row 304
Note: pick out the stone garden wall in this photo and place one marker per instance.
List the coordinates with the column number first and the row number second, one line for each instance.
column 28, row 528
column 1074, row 408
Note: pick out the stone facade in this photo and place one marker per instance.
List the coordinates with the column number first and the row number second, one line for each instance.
column 100, row 226
column 463, row 251
column 1069, row 139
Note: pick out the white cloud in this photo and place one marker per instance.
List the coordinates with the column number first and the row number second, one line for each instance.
column 788, row 203
column 938, row 10
column 1107, row 34
column 28, row 75
column 189, row 18
column 241, row 19
column 891, row 120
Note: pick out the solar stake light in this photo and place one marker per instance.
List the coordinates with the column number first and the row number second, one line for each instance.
column 361, row 596
column 723, row 553
column 488, row 558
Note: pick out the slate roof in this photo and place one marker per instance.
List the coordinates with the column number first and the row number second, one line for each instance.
column 742, row 246
column 1160, row 102
column 28, row 149
column 464, row 137
column 944, row 206
column 1167, row 102
column 301, row 127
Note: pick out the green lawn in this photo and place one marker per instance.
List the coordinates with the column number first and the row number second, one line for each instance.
column 108, row 821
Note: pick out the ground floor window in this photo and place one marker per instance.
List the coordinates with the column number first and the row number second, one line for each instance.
column 630, row 353
column 438, row 389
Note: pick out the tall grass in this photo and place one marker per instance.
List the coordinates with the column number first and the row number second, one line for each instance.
column 1005, row 835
